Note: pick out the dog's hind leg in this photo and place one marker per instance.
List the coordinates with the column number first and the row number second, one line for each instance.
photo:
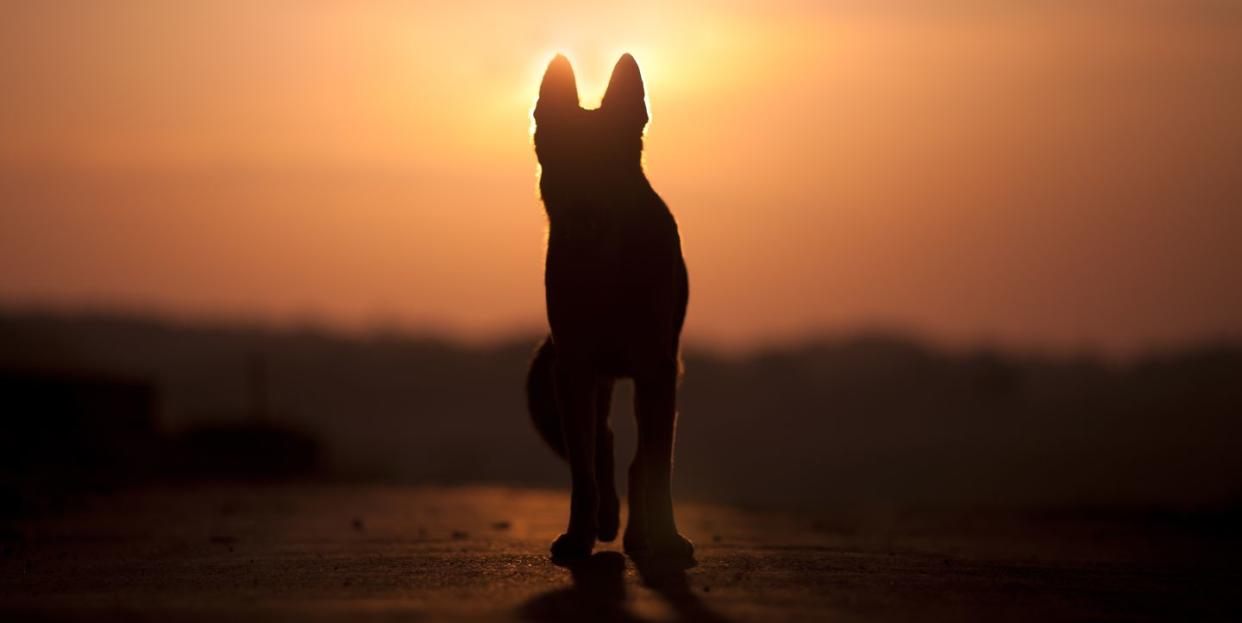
column 576, row 393
column 609, row 503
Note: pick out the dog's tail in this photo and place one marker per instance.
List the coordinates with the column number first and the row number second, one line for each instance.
column 541, row 398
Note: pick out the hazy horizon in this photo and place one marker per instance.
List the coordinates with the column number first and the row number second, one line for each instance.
column 1055, row 177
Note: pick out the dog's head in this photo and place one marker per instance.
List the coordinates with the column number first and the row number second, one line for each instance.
column 576, row 146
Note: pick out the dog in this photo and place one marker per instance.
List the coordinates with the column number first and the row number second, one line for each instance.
column 616, row 290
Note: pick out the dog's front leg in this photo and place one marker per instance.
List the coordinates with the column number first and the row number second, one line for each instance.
column 605, row 466
column 652, row 531
column 576, row 396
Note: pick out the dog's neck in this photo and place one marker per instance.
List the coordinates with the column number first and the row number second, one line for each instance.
column 619, row 192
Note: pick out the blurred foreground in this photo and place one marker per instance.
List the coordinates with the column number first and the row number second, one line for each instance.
column 238, row 553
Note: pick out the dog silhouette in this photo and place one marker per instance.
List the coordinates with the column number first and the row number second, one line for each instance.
column 616, row 290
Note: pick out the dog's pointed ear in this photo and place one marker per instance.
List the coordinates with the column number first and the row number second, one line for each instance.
column 624, row 99
column 559, row 90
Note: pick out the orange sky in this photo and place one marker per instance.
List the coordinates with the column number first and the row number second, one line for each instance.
column 1064, row 176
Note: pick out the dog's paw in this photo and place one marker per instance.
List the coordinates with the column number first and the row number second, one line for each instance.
column 570, row 546
column 672, row 548
column 609, row 519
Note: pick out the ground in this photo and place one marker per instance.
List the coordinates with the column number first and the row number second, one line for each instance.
column 339, row 552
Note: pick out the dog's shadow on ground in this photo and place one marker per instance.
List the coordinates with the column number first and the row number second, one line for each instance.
column 599, row 594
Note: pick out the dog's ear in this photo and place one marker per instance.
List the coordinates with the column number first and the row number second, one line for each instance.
column 559, row 90
column 624, row 100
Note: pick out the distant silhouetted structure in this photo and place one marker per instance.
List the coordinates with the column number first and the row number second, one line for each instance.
column 72, row 430
column 248, row 445
column 72, row 425
column 616, row 293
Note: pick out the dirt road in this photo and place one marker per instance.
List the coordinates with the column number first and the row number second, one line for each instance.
column 234, row 553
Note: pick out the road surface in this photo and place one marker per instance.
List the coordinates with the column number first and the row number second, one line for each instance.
column 354, row 553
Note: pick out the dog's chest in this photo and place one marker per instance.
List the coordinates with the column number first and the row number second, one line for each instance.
column 598, row 237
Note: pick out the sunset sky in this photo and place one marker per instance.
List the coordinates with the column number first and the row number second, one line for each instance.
column 1053, row 175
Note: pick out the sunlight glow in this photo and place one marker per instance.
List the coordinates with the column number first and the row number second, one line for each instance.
column 834, row 164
